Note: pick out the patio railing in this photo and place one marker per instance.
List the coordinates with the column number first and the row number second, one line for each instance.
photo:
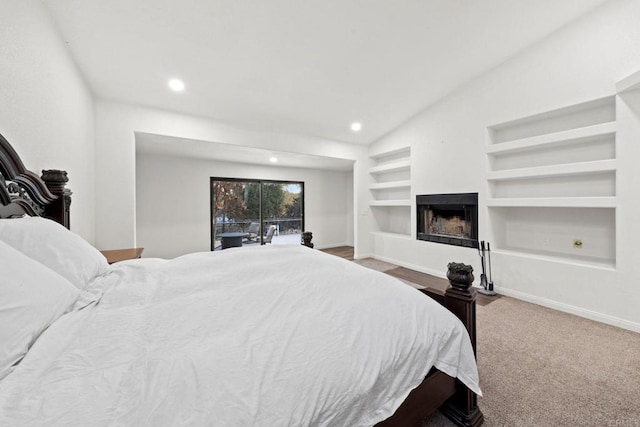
column 283, row 225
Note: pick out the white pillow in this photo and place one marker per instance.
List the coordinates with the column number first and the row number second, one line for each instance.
column 31, row 298
column 51, row 244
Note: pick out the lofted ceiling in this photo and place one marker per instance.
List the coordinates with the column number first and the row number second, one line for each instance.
column 147, row 143
column 299, row 67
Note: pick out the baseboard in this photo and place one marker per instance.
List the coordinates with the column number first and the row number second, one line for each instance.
column 362, row 256
column 567, row 308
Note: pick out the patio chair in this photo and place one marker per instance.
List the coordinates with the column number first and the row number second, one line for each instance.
column 269, row 235
column 254, row 232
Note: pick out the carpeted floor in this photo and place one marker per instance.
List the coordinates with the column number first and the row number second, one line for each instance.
column 541, row 367
column 544, row 368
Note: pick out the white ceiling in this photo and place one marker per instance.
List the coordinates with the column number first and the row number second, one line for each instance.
column 207, row 150
column 295, row 66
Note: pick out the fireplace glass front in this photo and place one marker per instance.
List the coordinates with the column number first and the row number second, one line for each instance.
column 448, row 218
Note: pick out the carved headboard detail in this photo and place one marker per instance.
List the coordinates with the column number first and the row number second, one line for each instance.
column 23, row 192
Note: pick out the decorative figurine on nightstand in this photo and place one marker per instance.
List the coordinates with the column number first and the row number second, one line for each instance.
column 306, row 238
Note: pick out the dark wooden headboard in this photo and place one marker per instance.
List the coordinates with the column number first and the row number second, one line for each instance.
column 23, row 192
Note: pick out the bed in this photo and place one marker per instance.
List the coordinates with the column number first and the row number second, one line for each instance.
column 266, row 336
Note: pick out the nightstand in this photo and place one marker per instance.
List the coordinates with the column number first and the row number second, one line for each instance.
column 118, row 255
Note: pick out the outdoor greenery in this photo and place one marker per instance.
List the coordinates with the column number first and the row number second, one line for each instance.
column 228, row 199
column 239, row 201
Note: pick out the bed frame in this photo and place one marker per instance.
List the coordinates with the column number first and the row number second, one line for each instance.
column 22, row 192
column 439, row 390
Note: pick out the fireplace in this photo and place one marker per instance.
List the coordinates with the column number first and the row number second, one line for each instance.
column 451, row 219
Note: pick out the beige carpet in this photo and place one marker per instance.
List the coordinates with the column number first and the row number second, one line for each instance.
column 541, row 367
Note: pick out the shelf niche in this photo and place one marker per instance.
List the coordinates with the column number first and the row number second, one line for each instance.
column 390, row 191
column 552, row 182
column 552, row 232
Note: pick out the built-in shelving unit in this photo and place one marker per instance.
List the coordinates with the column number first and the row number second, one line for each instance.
column 629, row 83
column 578, row 168
column 555, row 202
column 390, row 185
column 390, row 190
column 552, row 183
column 397, row 166
column 579, row 135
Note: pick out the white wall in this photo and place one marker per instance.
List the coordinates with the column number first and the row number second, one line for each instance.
column 46, row 109
column 579, row 63
column 173, row 211
column 116, row 125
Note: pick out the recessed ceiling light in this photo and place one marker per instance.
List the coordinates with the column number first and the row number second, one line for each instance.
column 176, row 85
column 273, row 159
column 356, row 126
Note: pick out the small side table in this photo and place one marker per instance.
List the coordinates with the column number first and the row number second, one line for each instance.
column 232, row 239
column 118, row 255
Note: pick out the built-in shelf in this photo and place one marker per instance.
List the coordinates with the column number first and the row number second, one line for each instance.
column 390, row 189
column 552, row 181
column 396, row 166
column 586, row 114
column 572, row 135
column 390, row 185
column 581, row 168
column 555, row 202
column 403, row 152
column 392, row 235
column 390, row 203
column 604, row 264
column 629, row 83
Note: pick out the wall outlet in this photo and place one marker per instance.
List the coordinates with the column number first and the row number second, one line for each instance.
column 577, row 243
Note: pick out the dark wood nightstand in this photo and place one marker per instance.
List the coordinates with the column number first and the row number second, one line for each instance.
column 118, row 255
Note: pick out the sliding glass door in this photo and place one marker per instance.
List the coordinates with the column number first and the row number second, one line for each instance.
column 246, row 212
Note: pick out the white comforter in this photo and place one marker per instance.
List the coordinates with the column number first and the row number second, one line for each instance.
column 269, row 336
